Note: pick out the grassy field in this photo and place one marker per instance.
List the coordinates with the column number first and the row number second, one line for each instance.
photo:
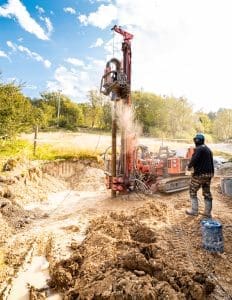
column 64, row 145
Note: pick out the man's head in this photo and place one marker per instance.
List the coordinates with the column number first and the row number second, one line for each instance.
column 199, row 139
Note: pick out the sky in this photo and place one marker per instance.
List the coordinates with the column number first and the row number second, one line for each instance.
column 181, row 48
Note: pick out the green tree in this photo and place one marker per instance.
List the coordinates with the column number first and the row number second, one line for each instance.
column 16, row 113
column 45, row 113
column 222, row 127
column 70, row 113
column 180, row 122
column 204, row 123
column 106, row 122
column 149, row 111
column 164, row 116
column 93, row 110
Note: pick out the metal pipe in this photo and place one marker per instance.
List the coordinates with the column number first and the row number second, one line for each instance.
column 114, row 148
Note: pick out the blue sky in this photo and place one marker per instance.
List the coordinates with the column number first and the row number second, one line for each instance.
column 180, row 48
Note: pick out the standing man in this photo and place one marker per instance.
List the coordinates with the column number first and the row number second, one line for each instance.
column 202, row 164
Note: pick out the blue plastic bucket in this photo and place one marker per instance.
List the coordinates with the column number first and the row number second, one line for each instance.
column 212, row 237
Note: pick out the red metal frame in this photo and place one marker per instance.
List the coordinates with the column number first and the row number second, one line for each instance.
column 126, row 49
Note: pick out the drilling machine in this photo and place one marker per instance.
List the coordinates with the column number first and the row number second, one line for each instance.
column 135, row 168
column 116, row 82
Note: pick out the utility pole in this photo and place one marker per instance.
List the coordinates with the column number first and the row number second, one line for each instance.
column 58, row 108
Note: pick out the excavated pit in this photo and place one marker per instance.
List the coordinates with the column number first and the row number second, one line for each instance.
column 131, row 247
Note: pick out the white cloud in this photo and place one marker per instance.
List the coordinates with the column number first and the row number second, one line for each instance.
column 83, row 19
column 99, row 42
column 34, row 56
column 75, row 61
column 3, row 54
column 48, row 24
column 47, row 63
column 15, row 9
column 40, row 9
column 11, row 45
column 101, row 18
column 76, row 81
column 70, row 10
column 179, row 47
column 29, row 53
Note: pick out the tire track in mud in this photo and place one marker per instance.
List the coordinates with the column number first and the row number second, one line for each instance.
column 183, row 244
column 178, row 239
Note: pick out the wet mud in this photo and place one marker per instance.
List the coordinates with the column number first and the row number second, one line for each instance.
column 131, row 247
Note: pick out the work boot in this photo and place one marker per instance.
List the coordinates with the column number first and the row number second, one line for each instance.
column 208, row 208
column 194, row 210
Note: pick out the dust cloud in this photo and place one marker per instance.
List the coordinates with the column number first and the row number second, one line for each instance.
column 126, row 120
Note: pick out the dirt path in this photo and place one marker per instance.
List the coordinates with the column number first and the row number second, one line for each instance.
column 147, row 239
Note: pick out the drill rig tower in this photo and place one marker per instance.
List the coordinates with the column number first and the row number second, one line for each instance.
column 116, row 82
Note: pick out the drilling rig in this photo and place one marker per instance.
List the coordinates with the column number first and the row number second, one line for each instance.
column 116, row 82
column 135, row 168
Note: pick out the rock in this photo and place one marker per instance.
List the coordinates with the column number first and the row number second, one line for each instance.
column 139, row 273
column 10, row 165
column 4, row 203
column 5, row 192
column 74, row 245
column 45, row 215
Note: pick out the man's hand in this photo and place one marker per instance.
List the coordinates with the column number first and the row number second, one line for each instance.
column 188, row 171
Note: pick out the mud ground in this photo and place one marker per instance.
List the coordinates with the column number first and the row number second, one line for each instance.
column 131, row 247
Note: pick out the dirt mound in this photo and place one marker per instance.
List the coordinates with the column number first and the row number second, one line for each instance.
column 120, row 258
column 80, row 175
column 14, row 214
column 24, row 183
column 90, row 179
column 152, row 210
column 27, row 183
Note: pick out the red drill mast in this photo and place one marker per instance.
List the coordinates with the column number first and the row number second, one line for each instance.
column 117, row 82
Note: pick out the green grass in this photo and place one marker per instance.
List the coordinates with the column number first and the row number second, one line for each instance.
column 21, row 148
column 14, row 148
column 48, row 152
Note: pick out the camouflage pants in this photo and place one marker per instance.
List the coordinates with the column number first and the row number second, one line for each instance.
column 197, row 182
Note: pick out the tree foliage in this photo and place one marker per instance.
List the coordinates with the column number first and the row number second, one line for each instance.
column 16, row 112
column 159, row 116
column 222, row 127
column 163, row 116
column 204, row 123
column 93, row 110
column 70, row 115
column 149, row 110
